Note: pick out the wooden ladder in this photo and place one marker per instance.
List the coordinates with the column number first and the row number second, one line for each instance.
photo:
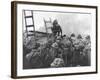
column 29, row 32
column 46, row 27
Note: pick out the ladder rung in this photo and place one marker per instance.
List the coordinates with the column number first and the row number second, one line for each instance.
column 31, row 31
column 49, row 27
column 29, row 25
column 28, row 16
column 48, row 21
column 30, row 34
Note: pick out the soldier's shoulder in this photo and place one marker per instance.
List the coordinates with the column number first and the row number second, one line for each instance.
column 58, row 25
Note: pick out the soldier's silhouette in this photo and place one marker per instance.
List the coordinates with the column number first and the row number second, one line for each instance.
column 56, row 28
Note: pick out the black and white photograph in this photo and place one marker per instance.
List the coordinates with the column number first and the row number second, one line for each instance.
column 54, row 39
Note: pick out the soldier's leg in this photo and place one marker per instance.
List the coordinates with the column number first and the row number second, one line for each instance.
column 54, row 33
column 58, row 33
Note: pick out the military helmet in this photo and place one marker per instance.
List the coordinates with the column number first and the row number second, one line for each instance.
column 72, row 35
column 79, row 37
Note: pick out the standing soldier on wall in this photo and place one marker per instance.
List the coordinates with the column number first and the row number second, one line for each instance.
column 56, row 28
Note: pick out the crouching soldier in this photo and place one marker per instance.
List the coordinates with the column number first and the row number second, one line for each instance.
column 34, row 60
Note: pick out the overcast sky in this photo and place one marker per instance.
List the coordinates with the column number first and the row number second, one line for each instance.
column 70, row 22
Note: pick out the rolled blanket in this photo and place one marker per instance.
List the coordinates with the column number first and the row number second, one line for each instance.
column 58, row 62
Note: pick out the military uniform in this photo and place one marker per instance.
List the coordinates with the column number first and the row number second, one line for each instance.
column 56, row 28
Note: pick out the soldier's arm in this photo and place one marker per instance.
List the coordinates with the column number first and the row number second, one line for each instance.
column 60, row 29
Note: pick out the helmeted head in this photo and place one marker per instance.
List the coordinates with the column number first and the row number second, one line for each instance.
column 58, row 39
column 55, row 45
column 55, row 22
column 88, row 37
column 72, row 37
column 79, row 37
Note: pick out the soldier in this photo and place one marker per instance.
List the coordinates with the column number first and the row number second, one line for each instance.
column 79, row 46
column 67, row 52
column 71, row 50
column 57, row 48
column 87, row 52
column 56, row 28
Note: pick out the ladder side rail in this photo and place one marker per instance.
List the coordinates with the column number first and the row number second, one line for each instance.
column 46, row 29
column 25, row 23
column 45, row 26
column 34, row 33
